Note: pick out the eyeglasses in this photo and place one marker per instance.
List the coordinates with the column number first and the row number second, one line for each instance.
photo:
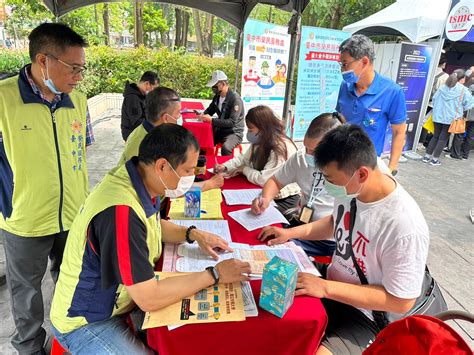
column 344, row 65
column 75, row 69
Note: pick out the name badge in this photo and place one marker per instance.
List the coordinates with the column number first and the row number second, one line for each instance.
column 306, row 214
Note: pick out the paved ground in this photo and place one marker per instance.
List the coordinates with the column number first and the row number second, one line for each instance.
column 444, row 193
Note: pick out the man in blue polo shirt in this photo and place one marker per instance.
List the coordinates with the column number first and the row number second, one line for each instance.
column 370, row 100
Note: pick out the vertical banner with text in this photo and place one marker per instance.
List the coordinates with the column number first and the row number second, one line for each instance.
column 319, row 76
column 412, row 76
column 264, row 65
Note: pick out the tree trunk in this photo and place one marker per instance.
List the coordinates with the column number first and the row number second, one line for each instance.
column 96, row 17
column 336, row 16
column 138, row 7
column 178, row 29
column 165, row 35
column 106, row 18
column 184, row 35
column 197, row 28
column 270, row 15
column 207, row 35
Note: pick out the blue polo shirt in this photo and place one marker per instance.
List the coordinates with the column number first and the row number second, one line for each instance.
column 383, row 102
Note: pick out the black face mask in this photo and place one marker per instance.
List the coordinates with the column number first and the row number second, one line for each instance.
column 215, row 90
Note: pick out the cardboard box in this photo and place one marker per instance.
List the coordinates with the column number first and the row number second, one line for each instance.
column 278, row 286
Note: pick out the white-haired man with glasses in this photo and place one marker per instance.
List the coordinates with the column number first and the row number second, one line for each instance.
column 44, row 130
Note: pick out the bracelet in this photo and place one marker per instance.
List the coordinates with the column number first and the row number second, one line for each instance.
column 188, row 232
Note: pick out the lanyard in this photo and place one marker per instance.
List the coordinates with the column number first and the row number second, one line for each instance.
column 314, row 196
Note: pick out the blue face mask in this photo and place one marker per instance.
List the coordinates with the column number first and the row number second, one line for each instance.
column 349, row 77
column 337, row 191
column 253, row 137
column 49, row 82
column 310, row 160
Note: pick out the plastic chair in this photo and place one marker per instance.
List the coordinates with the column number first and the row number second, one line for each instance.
column 219, row 146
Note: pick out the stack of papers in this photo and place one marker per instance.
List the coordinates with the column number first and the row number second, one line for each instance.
column 251, row 221
column 210, row 206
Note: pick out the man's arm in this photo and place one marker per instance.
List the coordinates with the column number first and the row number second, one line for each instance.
column 133, row 112
column 318, row 230
column 398, row 142
column 152, row 295
column 236, row 109
column 208, row 242
column 361, row 296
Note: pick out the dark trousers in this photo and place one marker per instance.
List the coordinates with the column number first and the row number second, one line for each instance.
column 462, row 143
column 229, row 142
column 26, row 263
column 438, row 142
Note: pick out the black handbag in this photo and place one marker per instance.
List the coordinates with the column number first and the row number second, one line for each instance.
column 430, row 302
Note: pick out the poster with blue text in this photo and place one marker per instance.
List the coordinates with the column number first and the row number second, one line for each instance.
column 264, row 65
column 412, row 76
column 319, row 76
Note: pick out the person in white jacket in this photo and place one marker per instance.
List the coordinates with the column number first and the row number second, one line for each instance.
column 270, row 148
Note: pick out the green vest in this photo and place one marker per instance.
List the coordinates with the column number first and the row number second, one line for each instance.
column 47, row 155
column 115, row 189
column 133, row 144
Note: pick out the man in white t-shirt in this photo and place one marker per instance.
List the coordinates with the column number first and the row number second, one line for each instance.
column 389, row 242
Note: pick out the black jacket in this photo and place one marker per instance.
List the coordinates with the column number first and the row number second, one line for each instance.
column 231, row 119
column 133, row 109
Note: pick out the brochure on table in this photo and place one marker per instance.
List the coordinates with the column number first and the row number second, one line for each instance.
column 220, row 303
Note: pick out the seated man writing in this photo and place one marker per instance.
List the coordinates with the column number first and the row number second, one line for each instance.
column 114, row 242
column 381, row 243
column 228, row 126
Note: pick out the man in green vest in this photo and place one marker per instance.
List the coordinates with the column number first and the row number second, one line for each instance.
column 115, row 241
column 162, row 105
column 44, row 130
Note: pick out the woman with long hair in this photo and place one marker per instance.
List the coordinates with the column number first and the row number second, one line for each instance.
column 449, row 103
column 270, row 148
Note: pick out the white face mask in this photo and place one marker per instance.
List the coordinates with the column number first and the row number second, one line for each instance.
column 184, row 184
column 179, row 120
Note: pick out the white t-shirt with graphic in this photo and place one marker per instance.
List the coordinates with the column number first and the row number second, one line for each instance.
column 295, row 169
column 390, row 241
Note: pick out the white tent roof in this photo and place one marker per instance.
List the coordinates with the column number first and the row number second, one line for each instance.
column 418, row 20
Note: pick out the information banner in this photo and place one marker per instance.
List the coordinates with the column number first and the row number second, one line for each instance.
column 319, row 76
column 412, row 76
column 264, row 65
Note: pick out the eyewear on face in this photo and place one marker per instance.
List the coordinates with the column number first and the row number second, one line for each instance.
column 344, row 65
column 75, row 69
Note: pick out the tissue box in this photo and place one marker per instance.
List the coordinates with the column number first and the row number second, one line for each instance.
column 278, row 286
column 192, row 202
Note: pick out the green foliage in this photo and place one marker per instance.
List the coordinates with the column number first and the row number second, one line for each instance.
column 337, row 14
column 108, row 69
column 264, row 12
column 26, row 15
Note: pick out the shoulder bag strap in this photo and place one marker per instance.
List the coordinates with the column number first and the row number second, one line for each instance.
column 380, row 317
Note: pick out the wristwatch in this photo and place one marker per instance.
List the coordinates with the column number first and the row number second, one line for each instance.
column 214, row 274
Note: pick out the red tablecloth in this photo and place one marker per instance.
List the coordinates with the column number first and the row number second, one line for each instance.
column 298, row 332
column 202, row 130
